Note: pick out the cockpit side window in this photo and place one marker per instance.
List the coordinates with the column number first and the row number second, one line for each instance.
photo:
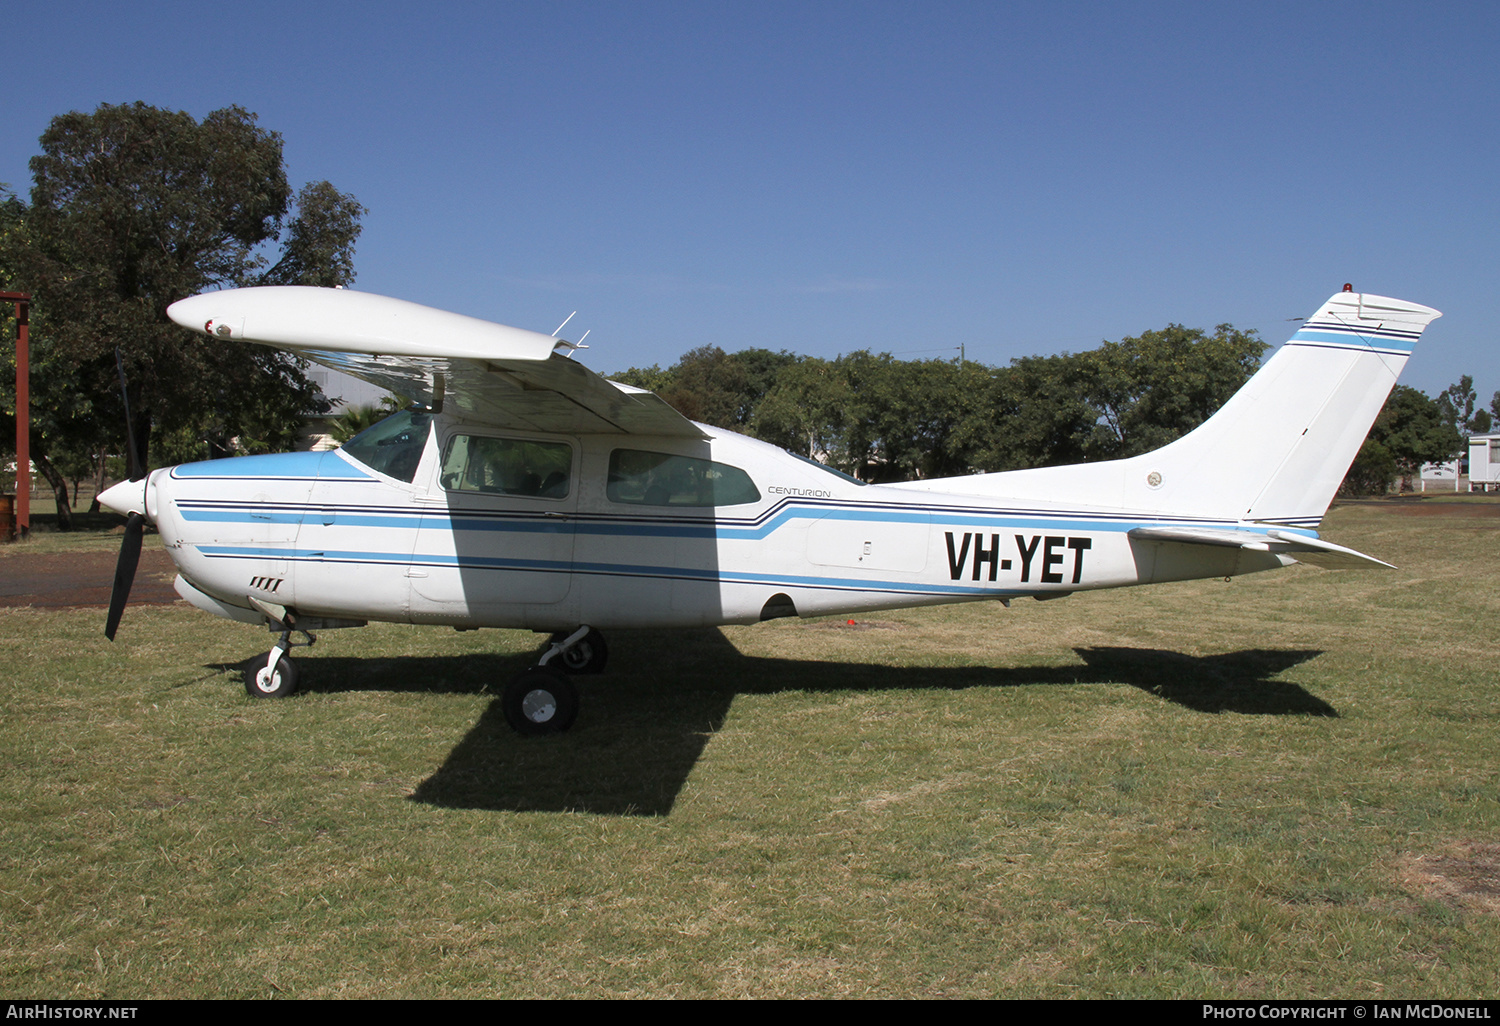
column 394, row 446
column 507, row 466
column 661, row 479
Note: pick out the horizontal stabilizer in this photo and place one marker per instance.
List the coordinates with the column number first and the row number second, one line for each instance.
column 1301, row 547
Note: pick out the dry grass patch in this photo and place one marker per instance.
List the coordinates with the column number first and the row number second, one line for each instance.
column 1465, row 875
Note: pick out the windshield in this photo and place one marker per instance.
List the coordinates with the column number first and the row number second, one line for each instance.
column 394, row 446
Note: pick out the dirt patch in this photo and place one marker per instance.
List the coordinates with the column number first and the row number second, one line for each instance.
column 58, row 580
column 856, row 625
column 1431, row 506
column 1467, row 875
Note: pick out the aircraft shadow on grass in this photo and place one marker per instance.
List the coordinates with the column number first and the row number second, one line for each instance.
column 641, row 734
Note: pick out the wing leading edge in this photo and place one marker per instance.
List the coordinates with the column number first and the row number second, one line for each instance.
column 498, row 375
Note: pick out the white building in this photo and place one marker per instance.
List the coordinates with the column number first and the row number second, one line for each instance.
column 1479, row 471
column 345, row 393
column 1484, row 462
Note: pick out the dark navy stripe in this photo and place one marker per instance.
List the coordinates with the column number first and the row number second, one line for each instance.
column 610, row 570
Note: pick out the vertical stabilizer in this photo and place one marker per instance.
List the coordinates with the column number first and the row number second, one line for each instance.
column 1360, row 342
column 1276, row 452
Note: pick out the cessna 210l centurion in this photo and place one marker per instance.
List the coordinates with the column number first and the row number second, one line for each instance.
column 525, row 491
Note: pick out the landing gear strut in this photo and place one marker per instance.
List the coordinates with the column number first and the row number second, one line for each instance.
column 276, row 677
column 543, row 700
column 586, row 655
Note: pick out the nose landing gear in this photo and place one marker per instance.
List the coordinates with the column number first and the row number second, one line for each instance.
column 277, row 677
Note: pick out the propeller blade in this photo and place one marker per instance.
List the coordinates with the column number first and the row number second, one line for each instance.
column 130, row 555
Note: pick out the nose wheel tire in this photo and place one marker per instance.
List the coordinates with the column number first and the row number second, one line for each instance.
column 588, row 654
column 263, row 682
column 540, row 701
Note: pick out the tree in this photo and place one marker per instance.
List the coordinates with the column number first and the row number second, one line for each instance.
column 320, row 240
column 355, row 419
column 761, row 369
column 1157, row 387
column 930, row 411
column 1410, row 430
column 652, row 378
column 707, row 385
column 712, row 386
column 804, row 411
column 885, row 419
column 1040, row 415
column 1459, row 403
column 909, row 419
column 133, row 208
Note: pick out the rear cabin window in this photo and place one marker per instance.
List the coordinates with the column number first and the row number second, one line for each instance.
column 661, row 479
column 507, row 466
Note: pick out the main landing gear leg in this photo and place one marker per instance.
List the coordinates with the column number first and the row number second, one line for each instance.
column 277, row 677
column 583, row 651
column 543, row 700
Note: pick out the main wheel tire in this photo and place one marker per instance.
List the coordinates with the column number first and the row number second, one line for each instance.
column 588, row 656
column 263, row 682
column 540, row 701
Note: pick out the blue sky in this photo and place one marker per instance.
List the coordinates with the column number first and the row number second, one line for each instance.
column 823, row 177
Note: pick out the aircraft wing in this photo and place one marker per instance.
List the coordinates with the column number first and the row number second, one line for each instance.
column 487, row 372
column 1300, row 547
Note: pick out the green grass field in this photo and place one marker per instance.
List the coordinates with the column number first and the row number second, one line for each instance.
column 1283, row 786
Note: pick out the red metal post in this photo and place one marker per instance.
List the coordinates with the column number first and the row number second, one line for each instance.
column 23, row 411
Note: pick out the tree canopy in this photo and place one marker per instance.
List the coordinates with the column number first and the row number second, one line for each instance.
column 1459, row 405
column 885, row 419
column 132, row 208
column 1162, row 384
column 1411, row 429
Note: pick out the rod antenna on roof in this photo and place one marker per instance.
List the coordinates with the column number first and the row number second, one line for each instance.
column 566, row 348
column 564, row 324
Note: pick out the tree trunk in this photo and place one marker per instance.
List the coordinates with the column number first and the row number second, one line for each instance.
column 59, row 488
column 100, row 464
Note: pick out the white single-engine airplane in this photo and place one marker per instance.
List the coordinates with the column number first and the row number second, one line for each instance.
column 525, row 491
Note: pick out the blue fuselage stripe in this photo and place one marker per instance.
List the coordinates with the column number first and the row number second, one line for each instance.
column 396, row 559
